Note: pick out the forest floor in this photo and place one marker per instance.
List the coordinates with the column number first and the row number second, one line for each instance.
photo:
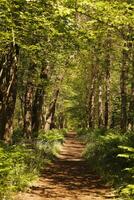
column 69, row 177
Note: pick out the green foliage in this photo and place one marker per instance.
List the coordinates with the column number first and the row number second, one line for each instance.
column 128, row 154
column 107, row 153
column 50, row 141
column 17, row 168
column 22, row 162
column 90, row 134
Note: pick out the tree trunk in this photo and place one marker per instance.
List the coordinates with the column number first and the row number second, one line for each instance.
column 28, row 110
column 51, row 112
column 131, row 109
column 131, row 104
column 91, row 103
column 100, row 107
column 123, row 88
column 107, row 91
column 37, row 110
column 61, row 120
column 8, row 91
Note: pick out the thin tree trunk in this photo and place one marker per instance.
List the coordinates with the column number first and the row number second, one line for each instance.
column 91, row 103
column 50, row 116
column 28, row 110
column 61, row 120
column 131, row 109
column 52, row 125
column 107, row 92
column 123, row 88
column 112, row 125
column 51, row 112
column 131, row 104
column 37, row 108
column 100, row 107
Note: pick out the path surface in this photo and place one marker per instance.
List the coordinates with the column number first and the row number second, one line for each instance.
column 68, row 178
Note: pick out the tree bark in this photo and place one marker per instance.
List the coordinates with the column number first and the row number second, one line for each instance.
column 123, row 88
column 51, row 112
column 100, row 101
column 28, row 110
column 91, row 103
column 100, row 108
column 37, row 109
column 131, row 109
column 8, row 91
column 107, row 91
column 61, row 120
column 131, row 103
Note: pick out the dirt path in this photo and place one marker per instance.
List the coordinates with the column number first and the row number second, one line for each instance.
column 68, row 178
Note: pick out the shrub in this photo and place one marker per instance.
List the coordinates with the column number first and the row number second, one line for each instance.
column 49, row 142
column 128, row 189
column 22, row 162
column 102, row 152
column 89, row 135
column 15, row 173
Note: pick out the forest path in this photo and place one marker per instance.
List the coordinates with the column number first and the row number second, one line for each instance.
column 68, row 178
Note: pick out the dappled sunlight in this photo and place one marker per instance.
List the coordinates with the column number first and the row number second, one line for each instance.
column 69, row 177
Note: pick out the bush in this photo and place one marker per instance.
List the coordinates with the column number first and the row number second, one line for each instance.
column 22, row 162
column 15, row 172
column 89, row 135
column 49, row 141
column 102, row 150
column 128, row 189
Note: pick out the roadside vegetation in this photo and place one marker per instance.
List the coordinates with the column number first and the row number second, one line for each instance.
column 22, row 162
column 111, row 155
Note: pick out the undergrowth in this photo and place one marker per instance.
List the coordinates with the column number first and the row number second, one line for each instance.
column 111, row 154
column 22, row 162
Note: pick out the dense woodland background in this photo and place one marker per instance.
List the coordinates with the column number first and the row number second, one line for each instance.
column 67, row 64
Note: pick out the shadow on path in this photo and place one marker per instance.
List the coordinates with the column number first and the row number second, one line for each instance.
column 69, row 177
